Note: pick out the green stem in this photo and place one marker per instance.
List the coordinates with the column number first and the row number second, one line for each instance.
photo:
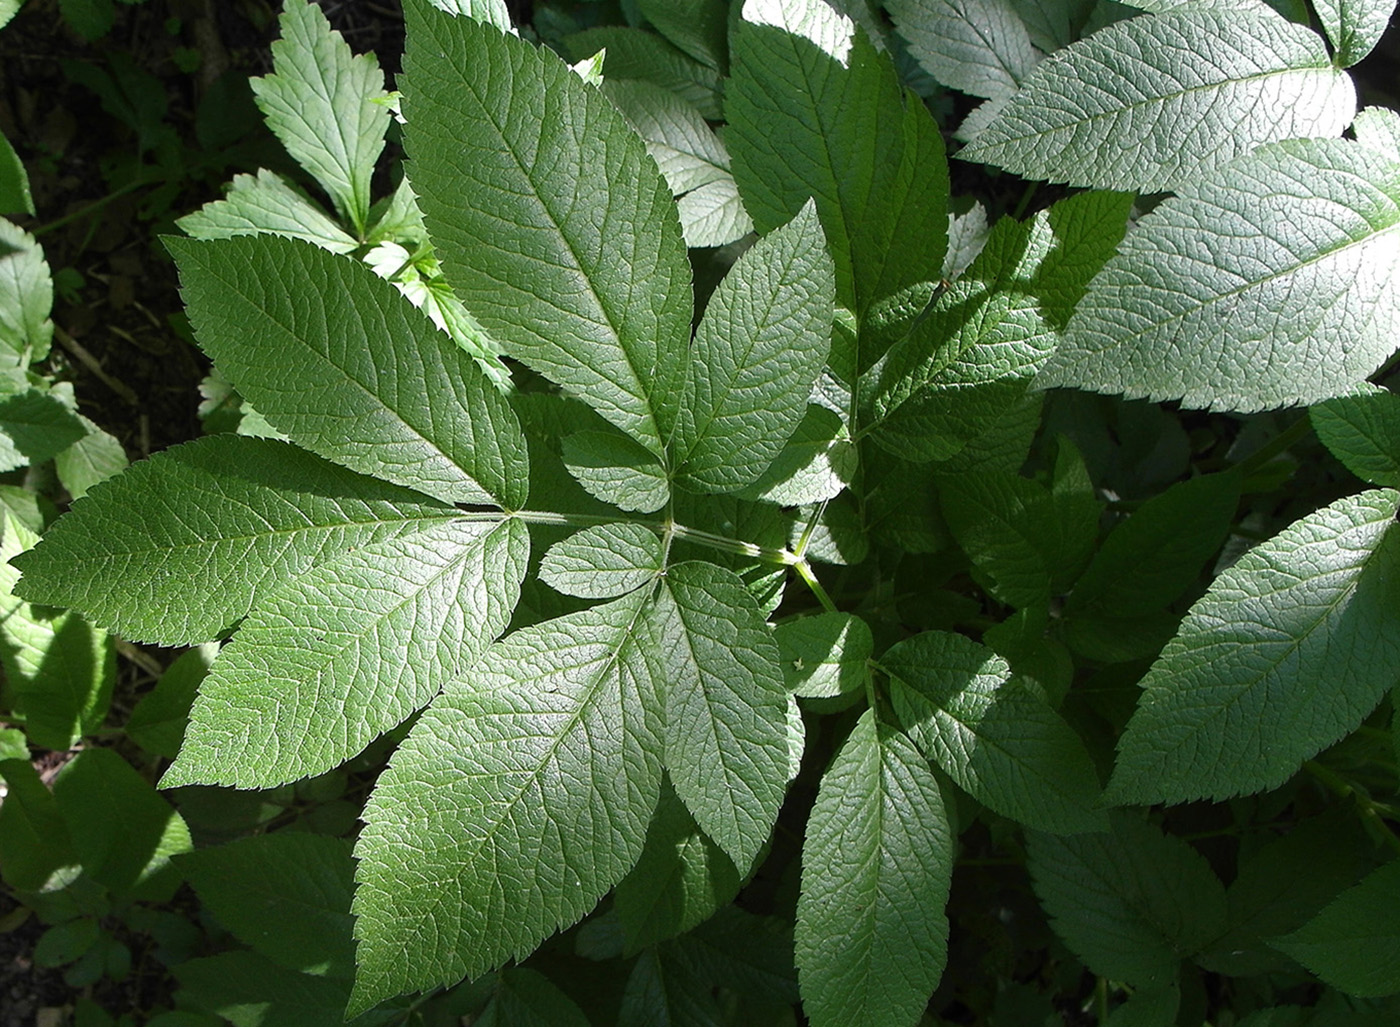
column 806, row 537
column 1101, row 999
column 93, row 207
column 666, row 529
column 804, row 571
column 1371, row 811
column 1280, row 443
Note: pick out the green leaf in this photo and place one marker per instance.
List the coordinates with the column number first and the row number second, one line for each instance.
column 759, row 348
column 423, row 413
column 617, row 469
column 15, row 197
column 266, row 204
column 1268, row 283
column 1354, row 26
column 664, row 990
column 33, row 839
column 1363, row 432
column 699, row 27
column 248, row 990
column 604, row 561
column 1288, row 650
column 35, row 426
column 824, row 655
column 1005, row 524
column 1152, row 103
column 252, row 514
column 1054, row 24
column 817, row 463
column 61, row 670
column 816, row 112
column 1130, row 904
column 158, row 722
column 526, row 998
column 635, row 54
column 871, row 936
column 93, row 458
column 1156, row 554
column 362, row 641
column 8, row 9
column 321, row 102
column 993, row 735
column 1354, row 944
column 979, row 47
column 26, row 297
column 492, row 12
column 548, row 756
column 573, row 260
column 960, row 372
column 726, row 706
column 66, row 942
column 679, row 881
column 1379, row 128
column 285, row 894
column 91, row 19
column 123, row 832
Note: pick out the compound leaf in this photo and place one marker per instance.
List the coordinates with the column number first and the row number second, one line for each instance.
column 760, row 346
column 815, row 111
column 1130, row 904
column 320, row 102
column 872, row 937
column 1288, row 650
column 348, row 650
column 553, row 225
column 252, row 514
column 1150, row 103
column 1353, row 944
column 520, row 797
column 1000, row 741
column 726, row 706
column 1267, row 283
column 979, row 47
column 349, row 370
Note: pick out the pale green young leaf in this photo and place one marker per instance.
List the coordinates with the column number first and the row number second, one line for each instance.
column 824, row 655
column 679, row 881
column 527, row 998
column 26, row 297
column 93, row 458
column 361, row 642
column 376, row 387
column 871, row 937
column 1363, row 432
column 1151, row 103
column 1354, row 943
column 1267, row 283
column 1130, row 903
column 994, row 736
column 35, row 426
column 636, row 54
column 320, row 102
column 1354, row 26
column 122, row 830
column 603, row 562
column 726, row 705
column 552, row 224
column 15, row 197
column 158, row 722
column 979, row 47
column 958, row 372
column 817, row 463
column 60, row 670
column 1288, row 650
column 266, row 204
column 699, row 27
column 252, row 514
column 762, row 342
column 286, row 894
column 1152, row 557
column 546, row 756
column 1379, row 128
column 816, row 112
column 617, row 469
